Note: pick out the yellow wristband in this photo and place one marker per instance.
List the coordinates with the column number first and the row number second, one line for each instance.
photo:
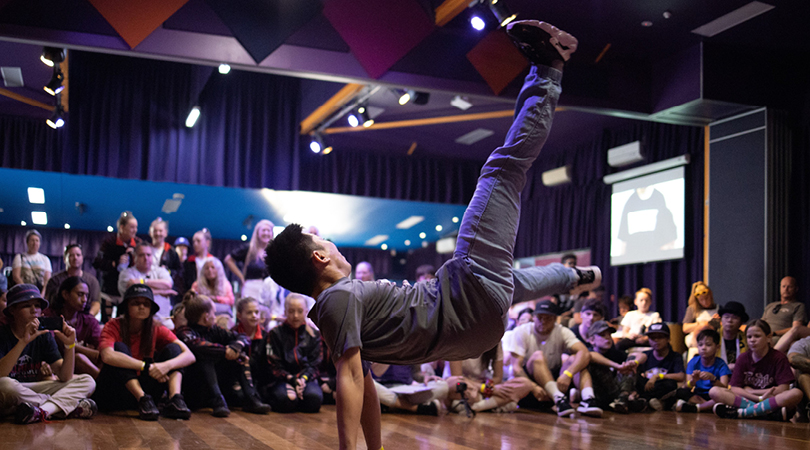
column 305, row 377
column 143, row 365
column 70, row 346
column 688, row 383
column 141, row 280
column 568, row 374
column 661, row 376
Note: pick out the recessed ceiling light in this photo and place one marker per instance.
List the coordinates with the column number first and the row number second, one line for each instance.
column 110, row 228
column 407, row 242
column 409, row 222
column 424, row 244
column 438, row 228
column 67, row 226
column 36, row 195
column 455, row 219
column 244, row 238
column 23, row 223
column 384, row 246
column 422, row 235
column 39, row 217
column 224, row 69
column 377, row 239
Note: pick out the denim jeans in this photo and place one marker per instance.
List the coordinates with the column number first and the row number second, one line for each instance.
column 486, row 239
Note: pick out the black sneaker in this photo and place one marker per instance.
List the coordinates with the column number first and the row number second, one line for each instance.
column 620, row 406
column 176, row 408
column 724, row 411
column 542, row 43
column 587, row 407
column 684, row 406
column 563, row 407
column 254, row 406
column 220, row 408
column 428, row 409
column 589, row 278
column 27, row 413
column 779, row 415
column 147, row 410
column 86, row 409
column 638, row 405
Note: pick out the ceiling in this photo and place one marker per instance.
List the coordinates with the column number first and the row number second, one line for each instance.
column 622, row 71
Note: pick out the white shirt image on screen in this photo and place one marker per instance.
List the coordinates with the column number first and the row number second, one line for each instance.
column 641, row 221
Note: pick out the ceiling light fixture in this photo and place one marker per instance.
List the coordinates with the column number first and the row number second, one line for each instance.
column 55, row 86
column 501, row 12
column 52, row 56
column 224, row 69
column 405, row 95
column 39, row 217
column 477, row 23
column 56, row 120
column 317, row 145
column 36, row 195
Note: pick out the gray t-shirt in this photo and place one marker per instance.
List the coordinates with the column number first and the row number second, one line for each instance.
column 450, row 317
column 802, row 347
column 785, row 314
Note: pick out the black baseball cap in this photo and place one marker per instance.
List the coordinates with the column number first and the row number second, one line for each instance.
column 138, row 291
column 599, row 327
column 658, row 328
column 547, row 307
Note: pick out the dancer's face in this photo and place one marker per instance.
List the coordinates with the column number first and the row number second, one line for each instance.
column 331, row 250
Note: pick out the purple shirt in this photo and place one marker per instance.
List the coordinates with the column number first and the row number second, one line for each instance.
column 88, row 330
column 772, row 370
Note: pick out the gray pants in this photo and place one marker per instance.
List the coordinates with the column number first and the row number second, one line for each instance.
column 486, row 239
column 65, row 395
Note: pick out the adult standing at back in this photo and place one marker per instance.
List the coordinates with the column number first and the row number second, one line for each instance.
column 114, row 256
column 163, row 255
column 786, row 313
column 201, row 242
column 31, row 267
column 251, row 256
column 74, row 259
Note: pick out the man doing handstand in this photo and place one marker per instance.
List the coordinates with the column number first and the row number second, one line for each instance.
column 463, row 311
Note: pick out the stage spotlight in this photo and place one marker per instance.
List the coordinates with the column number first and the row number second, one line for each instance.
column 478, row 23
column 318, row 145
column 501, row 12
column 366, row 119
column 405, row 95
column 224, row 69
column 421, row 98
column 52, row 56
column 354, row 119
column 56, row 120
column 193, row 115
column 55, row 85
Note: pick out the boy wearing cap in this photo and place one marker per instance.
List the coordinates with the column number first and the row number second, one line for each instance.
column 24, row 348
column 613, row 371
column 537, row 350
column 142, row 359
column 593, row 310
column 732, row 342
column 663, row 369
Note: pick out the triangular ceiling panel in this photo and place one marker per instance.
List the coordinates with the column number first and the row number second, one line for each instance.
column 134, row 21
column 196, row 16
column 77, row 15
column 262, row 26
column 379, row 33
column 497, row 60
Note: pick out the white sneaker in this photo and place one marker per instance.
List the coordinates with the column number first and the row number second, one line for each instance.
column 587, row 408
column 590, row 277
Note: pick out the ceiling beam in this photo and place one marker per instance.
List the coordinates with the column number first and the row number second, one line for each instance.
column 323, row 112
column 24, row 99
column 448, row 10
column 426, row 121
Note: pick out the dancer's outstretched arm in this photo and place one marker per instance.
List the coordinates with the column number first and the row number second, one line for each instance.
column 349, row 397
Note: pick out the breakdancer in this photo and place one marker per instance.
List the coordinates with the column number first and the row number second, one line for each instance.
column 463, row 311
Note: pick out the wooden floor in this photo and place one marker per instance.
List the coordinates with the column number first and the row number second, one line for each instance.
column 521, row 430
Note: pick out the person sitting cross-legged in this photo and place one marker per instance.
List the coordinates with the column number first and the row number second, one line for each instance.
column 613, row 371
column 29, row 359
column 662, row 370
column 703, row 372
column 222, row 361
column 142, row 360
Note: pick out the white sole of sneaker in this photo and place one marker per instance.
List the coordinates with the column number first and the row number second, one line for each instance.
column 587, row 287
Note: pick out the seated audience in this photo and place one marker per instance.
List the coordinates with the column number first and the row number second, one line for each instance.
column 248, row 323
column 660, row 371
column 635, row 323
column 71, row 303
column 799, row 358
column 74, row 258
column 251, row 257
column 114, row 256
column 613, row 371
column 327, row 375
column 425, row 272
column 212, row 282
column 156, row 277
column 221, row 361
column 163, row 255
column 732, row 316
column 289, row 360
column 3, row 279
column 489, row 391
column 592, row 311
column 703, row 372
column 760, row 383
column 179, row 316
column 25, row 389
column 31, row 267
column 201, row 242
column 625, row 305
column 597, row 293
column 364, row 272
column 701, row 314
column 786, row 313
column 142, row 360
column 386, row 377
column 537, row 350
column 181, row 248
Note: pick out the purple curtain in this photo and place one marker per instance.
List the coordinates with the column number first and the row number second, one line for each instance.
column 577, row 215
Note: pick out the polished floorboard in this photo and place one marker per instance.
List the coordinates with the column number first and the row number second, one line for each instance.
column 521, row 430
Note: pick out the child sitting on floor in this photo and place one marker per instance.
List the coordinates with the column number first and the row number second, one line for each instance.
column 703, row 372
column 760, row 383
column 221, row 360
column 662, row 370
column 613, row 371
column 636, row 322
